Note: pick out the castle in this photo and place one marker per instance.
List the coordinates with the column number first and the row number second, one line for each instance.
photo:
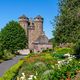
column 37, row 40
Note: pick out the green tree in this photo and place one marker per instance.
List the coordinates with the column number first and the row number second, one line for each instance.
column 13, row 37
column 1, row 48
column 67, row 22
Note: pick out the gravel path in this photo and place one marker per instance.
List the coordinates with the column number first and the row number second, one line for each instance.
column 4, row 66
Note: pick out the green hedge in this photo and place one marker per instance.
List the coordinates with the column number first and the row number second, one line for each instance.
column 10, row 74
column 64, row 50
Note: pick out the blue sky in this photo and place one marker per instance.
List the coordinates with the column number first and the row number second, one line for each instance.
column 12, row 9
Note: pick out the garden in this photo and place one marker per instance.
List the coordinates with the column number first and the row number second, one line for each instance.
column 60, row 63
column 57, row 65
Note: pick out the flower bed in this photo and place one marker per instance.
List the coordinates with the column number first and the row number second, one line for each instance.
column 45, row 66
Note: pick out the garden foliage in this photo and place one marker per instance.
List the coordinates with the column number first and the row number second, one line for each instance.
column 46, row 66
column 77, row 48
column 67, row 23
column 13, row 37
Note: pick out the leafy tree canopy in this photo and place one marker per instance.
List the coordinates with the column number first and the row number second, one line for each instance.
column 13, row 36
column 68, row 22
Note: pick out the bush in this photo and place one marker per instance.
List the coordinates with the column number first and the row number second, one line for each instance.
column 68, row 70
column 1, row 50
column 77, row 48
column 47, row 56
column 47, row 75
column 58, row 56
column 47, row 50
column 59, row 53
column 64, row 50
column 1, row 54
column 7, row 55
column 11, row 73
column 40, row 67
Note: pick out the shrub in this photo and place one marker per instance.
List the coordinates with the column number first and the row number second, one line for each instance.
column 40, row 67
column 64, row 50
column 77, row 48
column 1, row 50
column 47, row 50
column 7, row 55
column 26, row 68
column 1, row 54
column 47, row 56
column 59, row 56
column 68, row 70
column 11, row 73
column 47, row 75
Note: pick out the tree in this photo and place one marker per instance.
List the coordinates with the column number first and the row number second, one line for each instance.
column 13, row 37
column 67, row 22
column 1, row 48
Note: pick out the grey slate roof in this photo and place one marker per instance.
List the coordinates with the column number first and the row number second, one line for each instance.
column 23, row 17
column 42, row 39
column 38, row 17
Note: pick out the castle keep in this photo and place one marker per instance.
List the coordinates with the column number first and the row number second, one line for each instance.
column 37, row 40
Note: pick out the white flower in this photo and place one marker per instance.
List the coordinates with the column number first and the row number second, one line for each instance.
column 23, row 77
column 59, row 62
column 67, row 55
column 31, row 77
column 36, row 73
column 35, row 77
column 70, row 58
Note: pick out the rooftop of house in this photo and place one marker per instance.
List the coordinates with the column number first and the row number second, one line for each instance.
column 42, row 39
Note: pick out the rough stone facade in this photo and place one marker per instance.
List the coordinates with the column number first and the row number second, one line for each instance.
column 37, row 40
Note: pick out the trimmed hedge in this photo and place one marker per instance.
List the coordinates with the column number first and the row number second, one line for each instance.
column 64, row 50
column 10, row 74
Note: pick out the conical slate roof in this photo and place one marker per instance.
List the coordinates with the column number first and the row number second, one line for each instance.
column 38, row 17
column 23, row 17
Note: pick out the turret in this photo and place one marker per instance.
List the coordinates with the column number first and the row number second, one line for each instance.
column 38, row 22
column 24, row 22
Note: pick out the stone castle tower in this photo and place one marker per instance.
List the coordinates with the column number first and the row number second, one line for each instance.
column 34, row 30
